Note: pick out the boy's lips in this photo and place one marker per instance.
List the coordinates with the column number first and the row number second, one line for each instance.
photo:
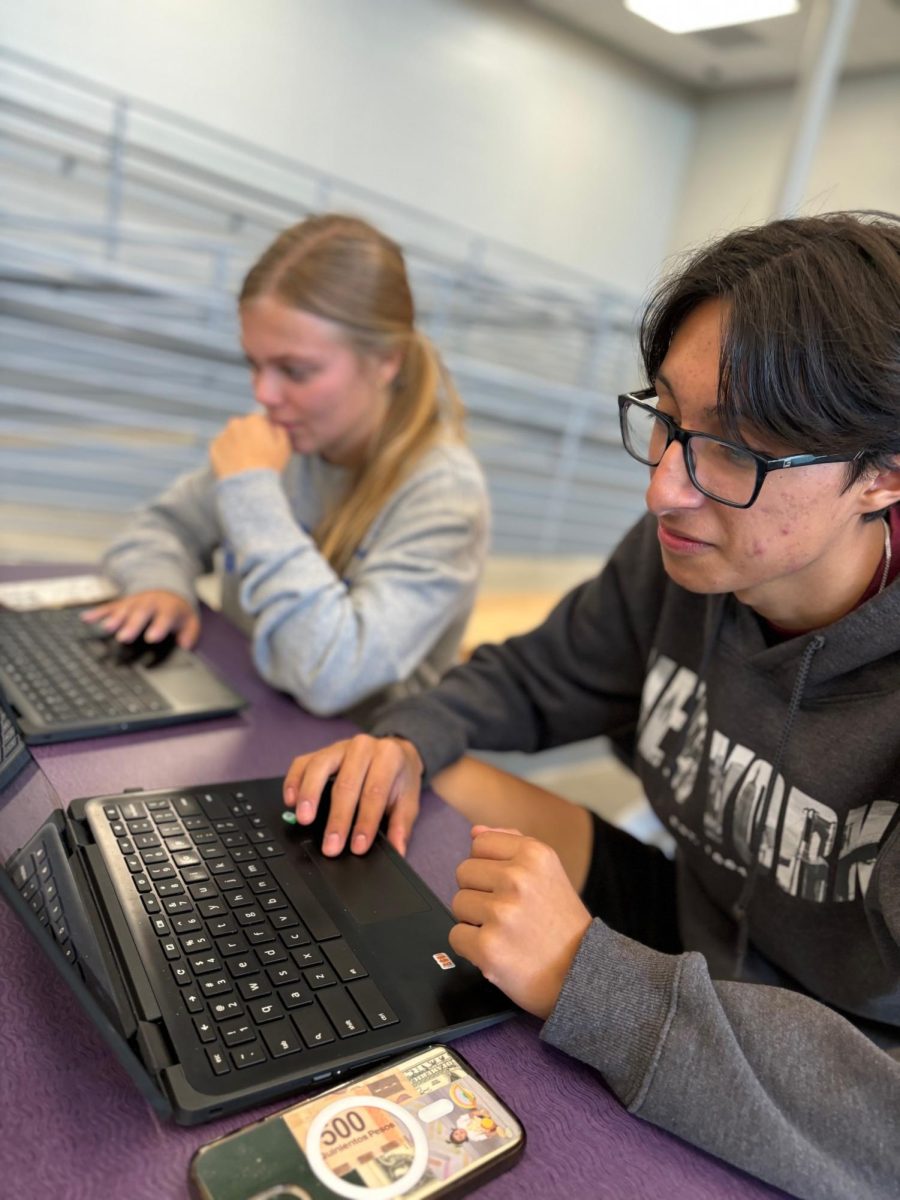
column 674, row 539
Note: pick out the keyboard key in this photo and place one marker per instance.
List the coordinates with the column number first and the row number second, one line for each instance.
column 248, row 1056
column 320, row 977
column 215, row 985
column 186, row 924
column 227, row 946
column 271, row 954
column 295, row 996
column 193, row 943
column 313, row 1027
column 227, row 1007
column 285, row 920
column 281, row 1039
column 236, row 1032
column 192, row 999
column 307, row 956
column 230, row 881
column 343, row 1013
column 253, row 986
column 243, row 965
column 344, row 961
column 267, row 1009
column 202, row 964
column 220, row 926
column 283, row 973
column 295, row 937
column 248, row 916
column 217, row 1061
column 206, row 1031
column 180, row 973
column 372, row 1004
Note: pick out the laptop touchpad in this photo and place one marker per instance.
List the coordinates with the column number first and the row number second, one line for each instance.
column 370, row 886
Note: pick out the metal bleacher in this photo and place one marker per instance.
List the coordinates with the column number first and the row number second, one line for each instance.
column 124, row 232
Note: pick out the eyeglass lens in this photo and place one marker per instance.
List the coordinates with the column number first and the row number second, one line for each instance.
column 723, row 472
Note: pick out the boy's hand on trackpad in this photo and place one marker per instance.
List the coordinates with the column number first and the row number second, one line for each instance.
column 372, row 777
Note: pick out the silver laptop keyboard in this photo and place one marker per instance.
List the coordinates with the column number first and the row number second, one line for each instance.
column 67, row 672
column 262, row 975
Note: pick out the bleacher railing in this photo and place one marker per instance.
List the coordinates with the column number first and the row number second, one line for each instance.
column 124, row 232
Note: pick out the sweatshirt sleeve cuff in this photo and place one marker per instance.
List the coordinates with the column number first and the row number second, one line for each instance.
column 438, row 745
column 254, row 511
column 615, row 1007
column 158, row 577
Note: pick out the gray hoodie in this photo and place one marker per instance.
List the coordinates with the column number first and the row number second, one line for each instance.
column 774, row 1040
column 391, row 626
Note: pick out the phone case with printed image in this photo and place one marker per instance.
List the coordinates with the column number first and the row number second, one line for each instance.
column 423, row 1126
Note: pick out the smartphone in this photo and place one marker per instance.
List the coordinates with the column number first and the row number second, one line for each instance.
column 422, row 1126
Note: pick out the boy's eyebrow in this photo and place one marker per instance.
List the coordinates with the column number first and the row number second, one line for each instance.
column 711, row 411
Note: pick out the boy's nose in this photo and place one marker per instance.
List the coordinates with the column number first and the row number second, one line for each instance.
column 670, row 485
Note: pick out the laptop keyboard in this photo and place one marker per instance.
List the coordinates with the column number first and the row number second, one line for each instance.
column 261, row 975
column 41, row 873
column 13, row 755
column 67, row 672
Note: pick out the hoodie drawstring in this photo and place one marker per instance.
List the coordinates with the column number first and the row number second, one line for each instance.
column 742, row 905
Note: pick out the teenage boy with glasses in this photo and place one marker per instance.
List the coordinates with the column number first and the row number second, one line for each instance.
column 741, row 649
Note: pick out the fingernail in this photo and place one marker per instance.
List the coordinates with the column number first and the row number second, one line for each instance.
column 305, row 813
column 360, row 841
column 332, row 843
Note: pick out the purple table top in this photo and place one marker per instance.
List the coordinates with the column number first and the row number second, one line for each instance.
column 73, row 1125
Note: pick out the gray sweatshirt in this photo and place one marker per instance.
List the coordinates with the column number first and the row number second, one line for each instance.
column 390, row 627
column 774, row 1040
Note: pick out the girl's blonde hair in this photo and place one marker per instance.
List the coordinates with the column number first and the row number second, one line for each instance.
column 342, row 269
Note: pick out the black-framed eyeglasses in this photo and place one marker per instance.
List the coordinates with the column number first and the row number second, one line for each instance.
column 724, row 471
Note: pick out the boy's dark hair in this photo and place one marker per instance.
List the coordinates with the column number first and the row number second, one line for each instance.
column 811, row 349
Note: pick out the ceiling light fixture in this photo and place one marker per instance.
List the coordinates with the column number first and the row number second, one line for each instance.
column 687, row 16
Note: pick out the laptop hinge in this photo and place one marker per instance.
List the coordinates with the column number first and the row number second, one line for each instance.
column 155, row 1049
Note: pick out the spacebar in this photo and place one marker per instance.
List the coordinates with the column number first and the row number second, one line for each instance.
column 310, row 911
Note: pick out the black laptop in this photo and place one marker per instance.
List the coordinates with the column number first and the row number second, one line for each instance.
column 65, row 679
column 224, row 959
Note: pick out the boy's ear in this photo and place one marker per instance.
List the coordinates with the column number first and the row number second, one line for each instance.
column 883, row 489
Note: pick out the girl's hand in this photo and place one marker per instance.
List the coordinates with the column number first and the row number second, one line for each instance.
column 249, row 443
column 153, row 613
